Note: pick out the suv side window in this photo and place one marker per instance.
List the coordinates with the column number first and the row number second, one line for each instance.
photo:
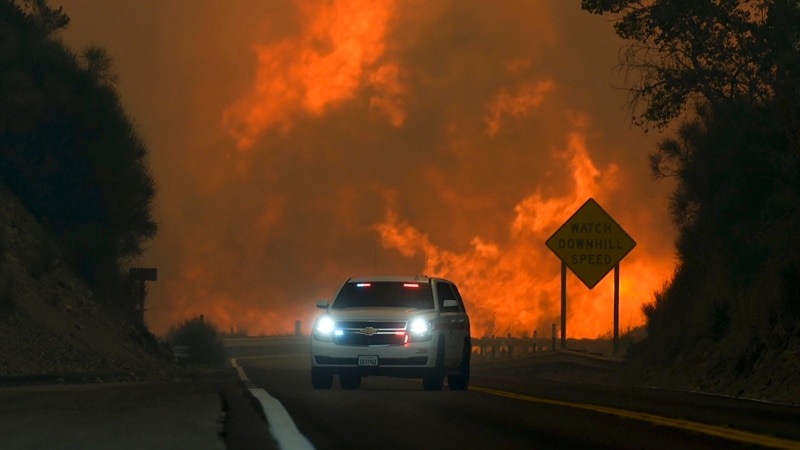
column 444, row 291
column 458, row 299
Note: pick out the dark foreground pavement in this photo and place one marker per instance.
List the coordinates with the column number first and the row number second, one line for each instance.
column 209, row 412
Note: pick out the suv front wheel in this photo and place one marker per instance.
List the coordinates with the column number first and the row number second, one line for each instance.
column 460, row 382
column 435, row 380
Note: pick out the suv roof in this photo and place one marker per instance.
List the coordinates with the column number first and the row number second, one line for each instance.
column 376, row 278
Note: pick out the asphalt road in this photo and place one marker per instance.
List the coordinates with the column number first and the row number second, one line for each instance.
column 133, row 416
column 210, row 411
column 514, row 405
column 524, row 403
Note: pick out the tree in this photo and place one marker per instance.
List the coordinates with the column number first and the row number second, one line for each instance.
column 98, row 62
column 730, row 70
column 46, row 20
column 714, row 51
column 68, row 148
column 726, row 206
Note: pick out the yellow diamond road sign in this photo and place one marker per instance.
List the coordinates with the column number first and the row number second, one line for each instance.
column 591, row 243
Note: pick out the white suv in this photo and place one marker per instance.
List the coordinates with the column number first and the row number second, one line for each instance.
column 411, row 327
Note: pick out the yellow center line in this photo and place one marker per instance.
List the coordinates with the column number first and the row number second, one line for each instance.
column 712, row 430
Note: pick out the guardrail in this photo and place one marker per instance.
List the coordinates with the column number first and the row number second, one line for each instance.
column 510, row 346
column 483, row 347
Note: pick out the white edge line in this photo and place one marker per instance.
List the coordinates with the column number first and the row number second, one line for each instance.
column 280, row 422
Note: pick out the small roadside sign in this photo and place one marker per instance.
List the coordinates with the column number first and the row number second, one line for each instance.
column 590, row 243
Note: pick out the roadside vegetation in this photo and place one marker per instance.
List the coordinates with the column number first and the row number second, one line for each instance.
column 725, row 76
column 201, row 340
column 72, row 155
column 75, row 210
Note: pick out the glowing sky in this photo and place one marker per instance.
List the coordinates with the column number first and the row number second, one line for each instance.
column 297, row 143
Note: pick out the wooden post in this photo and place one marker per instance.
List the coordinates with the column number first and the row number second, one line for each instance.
column 142, row 274
column 142, row 294
column 616, row 308
column 563, row 305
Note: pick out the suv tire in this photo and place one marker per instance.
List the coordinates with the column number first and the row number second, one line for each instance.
column 435, row 380
column 460, row 382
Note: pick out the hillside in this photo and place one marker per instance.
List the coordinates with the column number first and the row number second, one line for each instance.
column 51, row 326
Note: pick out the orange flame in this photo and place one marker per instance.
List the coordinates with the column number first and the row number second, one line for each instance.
column 349, row 56
column 324, row 66
column 515, row 287
column 518, row 104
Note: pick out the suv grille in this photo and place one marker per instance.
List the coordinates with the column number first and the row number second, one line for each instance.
column 364, row 333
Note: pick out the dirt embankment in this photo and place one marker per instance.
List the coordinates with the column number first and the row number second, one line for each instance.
column 51, row 325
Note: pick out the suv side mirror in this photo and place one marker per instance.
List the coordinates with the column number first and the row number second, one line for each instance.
column 323, row 304
column 449, row 306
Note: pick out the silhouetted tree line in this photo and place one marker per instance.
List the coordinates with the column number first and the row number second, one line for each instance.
column 729, row 70
column 68, row 149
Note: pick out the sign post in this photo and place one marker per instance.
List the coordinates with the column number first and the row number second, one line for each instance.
column 563, row 305
column 142, row 274
column 590, row 243
column 616, row 307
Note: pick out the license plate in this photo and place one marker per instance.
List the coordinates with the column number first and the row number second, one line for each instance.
column 367, row 360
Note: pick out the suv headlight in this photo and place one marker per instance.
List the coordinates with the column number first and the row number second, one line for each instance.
column 323, row 329
column 420, row 330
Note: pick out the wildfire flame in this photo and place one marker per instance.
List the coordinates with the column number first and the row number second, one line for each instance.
column 514, row 287
column 380, row 104
column 337, row 53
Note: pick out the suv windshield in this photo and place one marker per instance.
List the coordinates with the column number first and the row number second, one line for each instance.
column 396, row 294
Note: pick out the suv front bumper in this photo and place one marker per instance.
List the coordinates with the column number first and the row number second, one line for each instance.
column 408, row 360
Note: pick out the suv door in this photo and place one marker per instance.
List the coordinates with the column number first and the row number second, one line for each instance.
column 455, row 319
